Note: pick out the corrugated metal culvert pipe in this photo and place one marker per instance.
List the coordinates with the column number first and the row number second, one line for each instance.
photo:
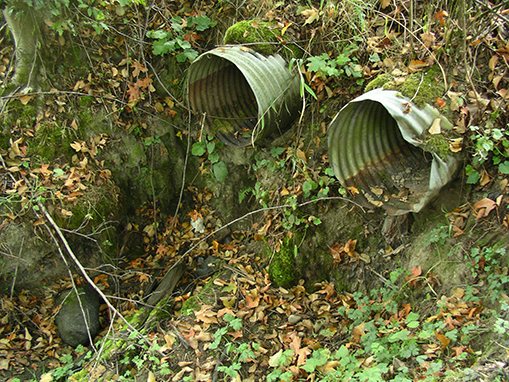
column 380, row 152
column 242, row 95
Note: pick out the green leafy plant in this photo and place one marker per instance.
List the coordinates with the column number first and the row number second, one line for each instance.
column 490, row 145
column 344, row 64
column 179, row 36
column 238, row 353
column 209, row 147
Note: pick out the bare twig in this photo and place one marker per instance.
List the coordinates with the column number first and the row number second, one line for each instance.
column 263, row 210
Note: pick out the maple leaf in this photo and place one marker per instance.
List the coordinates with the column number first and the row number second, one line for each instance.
column 43, row 170
column 138, row 68
column 162, row 249
column 336, row 250
column 143, row 277
column 143, row 83
column 328, row 290
column 252, row 302
column 133, row 92
column 440, row 16
column 136, row 263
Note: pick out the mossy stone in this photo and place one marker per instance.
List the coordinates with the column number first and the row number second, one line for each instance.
column 282, row 270
column 261, row 36
column 206, row 296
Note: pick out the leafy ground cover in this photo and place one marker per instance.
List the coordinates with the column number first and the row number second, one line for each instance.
column 237, row 324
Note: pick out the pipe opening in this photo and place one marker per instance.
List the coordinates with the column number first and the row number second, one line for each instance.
column 372, row 159
column 242, row 96
column 224, row 96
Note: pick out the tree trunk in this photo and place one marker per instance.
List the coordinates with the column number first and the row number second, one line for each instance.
column 25, row 30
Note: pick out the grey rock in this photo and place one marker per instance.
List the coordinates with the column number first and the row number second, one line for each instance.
column 205, row 267
column 293, row 318
column 70, row 320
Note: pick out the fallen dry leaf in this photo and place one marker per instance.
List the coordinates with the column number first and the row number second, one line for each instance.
column 415, row 273
column 484, row 206
column 435, row 127
column 311, row 15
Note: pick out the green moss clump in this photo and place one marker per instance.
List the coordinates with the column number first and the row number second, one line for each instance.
column 4, row 141
column 50, row 141
column 427, row 88
column 439, row 144
column 85, row 101
column 251, row 32
column 282, row 269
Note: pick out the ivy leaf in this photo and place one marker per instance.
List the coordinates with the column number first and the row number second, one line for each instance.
column 162, row 47
column 198, row 149
column 473, row 175
column 158, row 34
column 188, row 54
column 220, row 171
column 213, row 157
column 504, row 167
column 203, row 22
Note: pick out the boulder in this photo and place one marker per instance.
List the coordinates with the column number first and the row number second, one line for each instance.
column 70, row 319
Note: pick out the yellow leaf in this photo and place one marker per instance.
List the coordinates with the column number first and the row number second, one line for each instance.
column 311, row 15
column 15, row 148
column 245, row 49
column 493, row 62
column 301, row 155
column 458, row 293
column 283, row 31
column 74, row 125
column 353, row 190
column 159, row 107
column 328, row 366
column 435, row 127
column 67, row 213
column 76, row 146
column 48, row 377
column 416, row 65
